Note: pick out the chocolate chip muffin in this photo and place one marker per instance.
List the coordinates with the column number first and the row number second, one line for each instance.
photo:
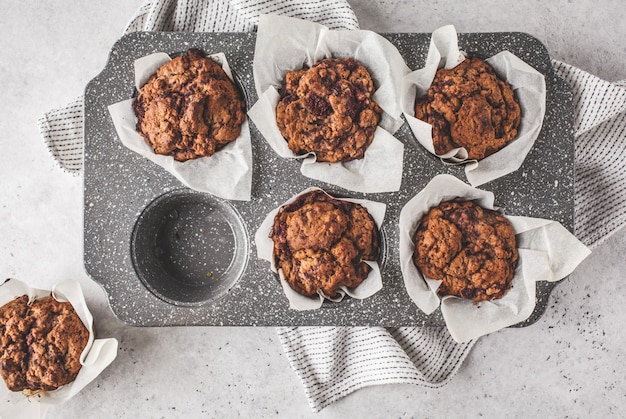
column 189, row 108
column 328, row 109
column 40, row 343
column 321, row 243
column 471, row 249
column 469, row 106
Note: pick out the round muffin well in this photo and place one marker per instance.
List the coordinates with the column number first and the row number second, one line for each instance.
column 189, row 248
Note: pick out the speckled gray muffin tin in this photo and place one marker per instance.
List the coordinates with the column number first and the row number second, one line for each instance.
column 142, row 226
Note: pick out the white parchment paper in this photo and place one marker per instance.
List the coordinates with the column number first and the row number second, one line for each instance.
column 527, row 83
column 265, row 250
column 226, row 174
column 547, row 252
column 96, row 356
column 284, row 44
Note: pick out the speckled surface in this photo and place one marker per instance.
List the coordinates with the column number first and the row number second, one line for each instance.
column 189, row 248
column 542, row 187
column 567, row 364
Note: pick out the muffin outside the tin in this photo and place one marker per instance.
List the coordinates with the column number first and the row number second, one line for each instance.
column 40, row 344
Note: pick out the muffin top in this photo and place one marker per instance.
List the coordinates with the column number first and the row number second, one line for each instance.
column 321, row 243
column 189, row 108
column 471, row 249
column 328, row 109
column 469, row 106
column 40, row 343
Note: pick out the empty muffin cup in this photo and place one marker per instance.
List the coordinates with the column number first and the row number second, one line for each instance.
column 189, row 248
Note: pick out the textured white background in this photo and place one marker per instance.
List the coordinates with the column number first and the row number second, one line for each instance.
column 570, row 363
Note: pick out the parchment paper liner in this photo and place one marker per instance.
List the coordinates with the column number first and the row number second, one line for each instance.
column 285, row 44
column 265, row 249
column 547, row 252
column 226, row 174
column 96, row 356
column 527, row 83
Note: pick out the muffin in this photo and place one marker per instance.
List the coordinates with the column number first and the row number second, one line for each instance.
column 469, row 106
column 471, row 249
column 189, row 108
column 321, row 243
column 328, row 109
column 40, row 343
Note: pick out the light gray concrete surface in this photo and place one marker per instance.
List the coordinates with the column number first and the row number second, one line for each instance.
column 568, row 364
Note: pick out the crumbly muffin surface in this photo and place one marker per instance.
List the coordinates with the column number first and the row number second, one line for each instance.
column 189, row 108
column 321, row 243
column 471, row 249
column 469, row 106
column 328, row 109
column 40, row 344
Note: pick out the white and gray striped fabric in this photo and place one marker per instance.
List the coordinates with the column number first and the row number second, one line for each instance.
column 62, row 131
column 333, row 362
column 600, row 131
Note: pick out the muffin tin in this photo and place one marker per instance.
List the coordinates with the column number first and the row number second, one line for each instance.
column 167, row 255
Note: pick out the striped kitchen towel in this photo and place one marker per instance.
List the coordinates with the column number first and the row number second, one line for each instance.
column 600, row 131
column 333, row 362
